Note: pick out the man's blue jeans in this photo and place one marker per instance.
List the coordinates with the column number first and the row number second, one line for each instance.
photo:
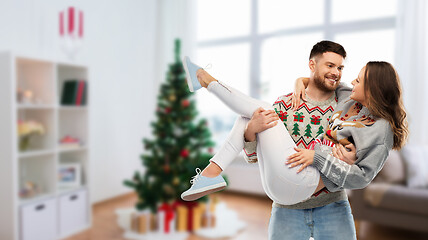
column 330, row 222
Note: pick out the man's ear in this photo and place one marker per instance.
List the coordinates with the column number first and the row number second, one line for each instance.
column 312, row 64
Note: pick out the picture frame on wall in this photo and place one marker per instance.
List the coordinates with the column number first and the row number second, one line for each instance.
column 69, row 175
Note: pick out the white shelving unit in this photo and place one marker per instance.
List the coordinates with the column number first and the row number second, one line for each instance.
column 54, row 212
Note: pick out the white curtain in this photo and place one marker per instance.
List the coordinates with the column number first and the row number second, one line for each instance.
column 412, row 65
column 176, row 19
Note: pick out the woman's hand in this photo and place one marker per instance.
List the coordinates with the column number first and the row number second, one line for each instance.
column 303, row 157
column 260, row 121
column 299, row 92
column 340, row 152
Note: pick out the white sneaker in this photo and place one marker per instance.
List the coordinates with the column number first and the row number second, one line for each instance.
column 202, row 186
column 191, row 68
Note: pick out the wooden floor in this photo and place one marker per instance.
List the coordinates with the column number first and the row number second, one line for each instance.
column 254, row 210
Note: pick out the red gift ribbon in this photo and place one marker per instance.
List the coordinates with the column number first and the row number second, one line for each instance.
column 190, row 206
column 169, row 215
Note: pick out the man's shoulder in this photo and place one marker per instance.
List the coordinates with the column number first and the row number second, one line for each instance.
column 282, row 100
column 283, row 97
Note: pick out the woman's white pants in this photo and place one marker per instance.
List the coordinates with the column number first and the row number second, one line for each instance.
column 281, row 183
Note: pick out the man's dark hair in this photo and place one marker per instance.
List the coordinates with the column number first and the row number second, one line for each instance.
column 327, row 46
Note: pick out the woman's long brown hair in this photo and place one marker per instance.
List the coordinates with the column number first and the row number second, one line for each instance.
column 384, row 98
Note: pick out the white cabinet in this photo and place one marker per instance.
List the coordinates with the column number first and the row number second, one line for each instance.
column 34, row 201
column 39, row 220
column 73, row 212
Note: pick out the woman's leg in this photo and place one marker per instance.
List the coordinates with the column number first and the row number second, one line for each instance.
column 240, row 103
column 281, row 184
column 227, row 153
column 231, row 148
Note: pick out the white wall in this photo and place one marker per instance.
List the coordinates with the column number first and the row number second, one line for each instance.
column 119, row 48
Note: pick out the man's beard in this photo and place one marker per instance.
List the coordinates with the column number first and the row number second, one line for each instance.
column 321, row 84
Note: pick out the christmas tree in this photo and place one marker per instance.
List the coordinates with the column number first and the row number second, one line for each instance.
column 308, row 131
column 296, row 130
column 180, row 143
column 320, row 130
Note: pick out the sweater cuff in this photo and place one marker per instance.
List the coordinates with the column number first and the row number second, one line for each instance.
column 319, row 160
column 250, row 145
column 250, row 151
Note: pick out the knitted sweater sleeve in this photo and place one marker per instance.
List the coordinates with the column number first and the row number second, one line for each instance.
column 343, row 92
column 250, row 148
column 250, row 151
column 338, row 175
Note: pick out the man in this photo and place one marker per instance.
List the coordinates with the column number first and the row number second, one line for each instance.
column 326, row 215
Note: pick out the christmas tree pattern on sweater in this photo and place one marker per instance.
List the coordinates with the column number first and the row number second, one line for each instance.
column 308, row 121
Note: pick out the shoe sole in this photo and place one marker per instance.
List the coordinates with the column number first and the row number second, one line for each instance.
column 197, row 195
column 188, row 78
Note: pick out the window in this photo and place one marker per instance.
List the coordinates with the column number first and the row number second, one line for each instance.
column 231, row 63
column 278, row 15
column 262, row 46
column 374, row 45
column 282, row 60
column 345, row 11
column 222, row 19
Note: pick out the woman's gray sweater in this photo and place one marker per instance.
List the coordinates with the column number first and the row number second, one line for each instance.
column 373, row 138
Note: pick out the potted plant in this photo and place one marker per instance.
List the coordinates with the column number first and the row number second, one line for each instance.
column 27, row 129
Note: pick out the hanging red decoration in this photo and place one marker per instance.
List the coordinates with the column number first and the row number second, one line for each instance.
column 185, row 103
column 184, row 153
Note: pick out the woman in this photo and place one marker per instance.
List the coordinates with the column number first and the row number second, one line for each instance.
column 371, row 116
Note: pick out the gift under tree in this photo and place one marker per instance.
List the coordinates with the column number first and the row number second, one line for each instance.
column 180, row 143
